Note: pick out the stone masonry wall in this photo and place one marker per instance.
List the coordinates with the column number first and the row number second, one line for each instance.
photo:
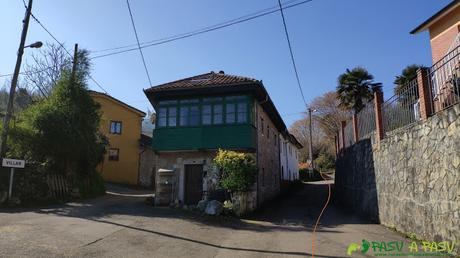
column 268, row 159
column 411, row 180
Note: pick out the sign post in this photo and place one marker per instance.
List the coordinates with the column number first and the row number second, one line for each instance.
column 12, row 163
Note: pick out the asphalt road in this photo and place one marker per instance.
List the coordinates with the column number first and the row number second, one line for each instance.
column 120, row 224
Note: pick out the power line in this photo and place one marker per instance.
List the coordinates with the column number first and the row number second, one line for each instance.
column 203, row 30
column 194, row 31
column 60, row 44
column 138, row 44
column 292, row 55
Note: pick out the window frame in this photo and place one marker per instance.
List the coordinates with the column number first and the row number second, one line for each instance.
column 213, row 102
column 109, row 156
column 116, row 122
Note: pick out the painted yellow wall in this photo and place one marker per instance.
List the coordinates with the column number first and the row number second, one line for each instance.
column 125, row 170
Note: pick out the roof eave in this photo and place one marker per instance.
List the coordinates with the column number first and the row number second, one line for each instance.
column 426, row 24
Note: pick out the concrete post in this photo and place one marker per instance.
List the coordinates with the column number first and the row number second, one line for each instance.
column 355, row 128
column 424, row 93
column 378, row 100
column 342, row 132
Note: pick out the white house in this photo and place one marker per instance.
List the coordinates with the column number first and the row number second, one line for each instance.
column 289, row 157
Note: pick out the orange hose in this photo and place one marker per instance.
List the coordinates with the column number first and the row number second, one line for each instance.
column 319, row 217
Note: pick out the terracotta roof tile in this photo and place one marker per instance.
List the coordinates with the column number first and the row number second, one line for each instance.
column 206, row 80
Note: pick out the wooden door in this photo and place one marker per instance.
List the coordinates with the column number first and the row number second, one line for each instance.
column 193, row 183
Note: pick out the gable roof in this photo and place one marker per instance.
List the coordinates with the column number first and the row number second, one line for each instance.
column 107, row 96
column 441, row 13
column 214, row 83
column 206, row 80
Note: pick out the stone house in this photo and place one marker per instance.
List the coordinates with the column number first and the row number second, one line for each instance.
column 197, row 116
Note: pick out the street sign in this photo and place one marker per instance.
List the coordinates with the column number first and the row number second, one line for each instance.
column 13, row 163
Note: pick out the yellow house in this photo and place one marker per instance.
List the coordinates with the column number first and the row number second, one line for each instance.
column 121, row 124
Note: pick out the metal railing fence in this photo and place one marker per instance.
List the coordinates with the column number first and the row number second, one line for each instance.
column 444, row 79
column 403, row 108
column 366, row 121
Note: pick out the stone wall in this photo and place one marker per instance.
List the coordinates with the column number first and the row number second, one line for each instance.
column 268, row 158
column 147, row 168
column 411, row 180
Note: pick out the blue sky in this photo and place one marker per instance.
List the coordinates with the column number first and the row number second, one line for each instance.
column 327, row 37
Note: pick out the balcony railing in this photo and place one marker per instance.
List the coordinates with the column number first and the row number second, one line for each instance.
column 444, row 78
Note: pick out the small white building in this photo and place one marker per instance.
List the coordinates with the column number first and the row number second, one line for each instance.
column 289, row 157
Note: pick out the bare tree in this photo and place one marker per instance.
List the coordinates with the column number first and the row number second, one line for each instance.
column 329, row 114
column 46, row 68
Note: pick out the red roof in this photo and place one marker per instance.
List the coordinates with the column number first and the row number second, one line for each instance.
column 206, row 80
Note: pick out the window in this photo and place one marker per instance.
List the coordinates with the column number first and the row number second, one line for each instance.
column 242, row 112
column 194, row 115
column 274, row 138
column 230, row 113
column 206, row 115
column 172, row 116
column 268, row 132
column 115, row 127
column 183, row 120
column 162, row 117
column 217, row 114
column 114, row 154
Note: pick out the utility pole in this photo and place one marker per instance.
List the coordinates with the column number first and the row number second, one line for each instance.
column 74, row 65
column 310, row 145
column 14, row 82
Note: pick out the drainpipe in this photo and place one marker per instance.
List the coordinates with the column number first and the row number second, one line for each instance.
column 256, row 123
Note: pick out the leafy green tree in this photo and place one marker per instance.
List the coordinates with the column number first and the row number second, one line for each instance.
column 61, row 132
column 355, row 88
column 238, row 170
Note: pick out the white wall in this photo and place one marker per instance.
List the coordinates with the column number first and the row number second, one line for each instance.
column 289, row 160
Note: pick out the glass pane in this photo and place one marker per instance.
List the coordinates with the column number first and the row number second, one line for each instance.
column 162, row 117
column 216, row 99
column 206, row 114
column 118, row 127
column 172, row 119
column 230, row 113
column 235, row 98
column 189, row 101
column 242, row 113
column 194, row 115
column 167, row 102
column 183, row 116
column 217, row 114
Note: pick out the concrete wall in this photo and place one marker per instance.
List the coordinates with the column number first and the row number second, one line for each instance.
column 411, row 180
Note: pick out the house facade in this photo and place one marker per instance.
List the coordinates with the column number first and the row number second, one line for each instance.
column 289, row 156
column 444, row 28
column 121, row 124
column 197, row 116
column 444, row 75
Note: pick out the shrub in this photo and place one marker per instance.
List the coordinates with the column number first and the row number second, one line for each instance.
column 238, row 170
column 324, row 162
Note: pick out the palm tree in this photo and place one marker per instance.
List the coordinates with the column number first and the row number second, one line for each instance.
column 355, row 88
column 408, row 74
